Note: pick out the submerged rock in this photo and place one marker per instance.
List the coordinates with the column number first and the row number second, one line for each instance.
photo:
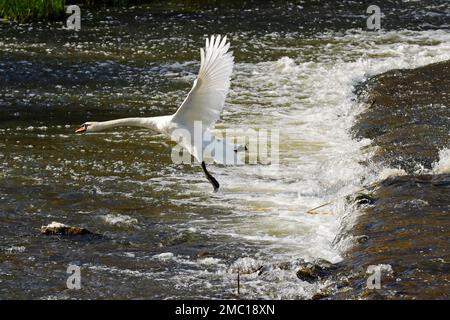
column 56, row 228
column 314, row 271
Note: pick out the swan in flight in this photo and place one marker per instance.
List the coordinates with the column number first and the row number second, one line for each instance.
column 203, row 105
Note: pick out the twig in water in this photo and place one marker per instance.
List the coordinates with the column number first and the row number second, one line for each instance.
column 311, row 211
column 238, row 282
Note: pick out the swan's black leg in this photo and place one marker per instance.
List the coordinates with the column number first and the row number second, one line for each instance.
column 210, row 177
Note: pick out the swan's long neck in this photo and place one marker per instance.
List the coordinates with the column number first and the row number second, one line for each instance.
column 153, row 123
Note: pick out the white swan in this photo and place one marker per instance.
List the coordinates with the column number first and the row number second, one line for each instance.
column 203, row 105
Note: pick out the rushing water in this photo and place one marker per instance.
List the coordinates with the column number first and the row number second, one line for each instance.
column 164, row 233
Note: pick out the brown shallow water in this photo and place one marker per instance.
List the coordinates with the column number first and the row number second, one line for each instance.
column 408, row 228
column 409, row 114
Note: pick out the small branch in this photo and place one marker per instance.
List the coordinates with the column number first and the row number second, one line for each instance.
column 311, row 211
column 238, row 283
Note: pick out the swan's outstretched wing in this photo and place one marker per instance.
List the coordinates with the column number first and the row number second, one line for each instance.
column 206, row 99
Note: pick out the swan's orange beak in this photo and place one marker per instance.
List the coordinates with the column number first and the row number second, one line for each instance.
column 81, row 130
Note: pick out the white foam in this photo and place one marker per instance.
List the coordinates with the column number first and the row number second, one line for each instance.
column 55, row 225
column 117, row 220
column 209, row 261
column 14, row 249
column 313, row 103
column 390, row 172
column 164, row 256
column 386, row 269
column 443, row 164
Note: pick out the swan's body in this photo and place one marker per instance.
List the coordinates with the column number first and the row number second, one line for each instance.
column 203, row 106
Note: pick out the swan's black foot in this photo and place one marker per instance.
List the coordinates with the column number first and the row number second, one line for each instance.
column 210, row 177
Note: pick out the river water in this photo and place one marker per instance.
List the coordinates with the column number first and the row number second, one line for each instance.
column 164, row 234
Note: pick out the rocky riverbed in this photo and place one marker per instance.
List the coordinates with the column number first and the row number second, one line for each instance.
column 158, row 231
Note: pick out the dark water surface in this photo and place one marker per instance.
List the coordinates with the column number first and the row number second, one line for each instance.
column 164, row 234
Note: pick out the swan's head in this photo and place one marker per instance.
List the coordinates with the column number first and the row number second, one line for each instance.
column 87, row 127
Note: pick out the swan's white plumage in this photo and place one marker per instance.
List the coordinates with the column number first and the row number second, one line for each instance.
column 206, row 99
column 204, row 104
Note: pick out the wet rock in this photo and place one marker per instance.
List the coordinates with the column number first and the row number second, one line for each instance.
column 309, row 273
column 364, row 199
column 412, row 239
column 322, row 294
column 314, row 271
column 409, row 115
column 361, row 239
column 246, row 265
column 286, row 265
column 56, row 228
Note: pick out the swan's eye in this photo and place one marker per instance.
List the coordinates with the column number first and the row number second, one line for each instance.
column 82, row 129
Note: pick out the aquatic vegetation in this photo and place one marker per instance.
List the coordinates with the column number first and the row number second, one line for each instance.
column 115, row 3
column 408, row 122
column 29, row 10
column 364, row 198
column 24, row 10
